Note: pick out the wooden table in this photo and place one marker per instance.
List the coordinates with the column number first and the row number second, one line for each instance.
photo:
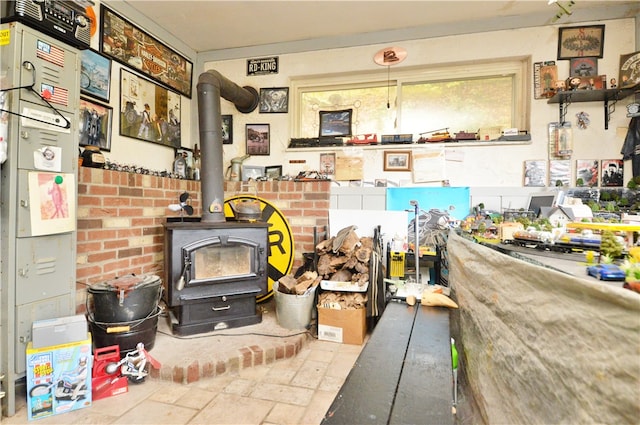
column 403, row 375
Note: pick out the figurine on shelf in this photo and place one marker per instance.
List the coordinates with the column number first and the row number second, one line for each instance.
column 574, row 83
column 613, row 83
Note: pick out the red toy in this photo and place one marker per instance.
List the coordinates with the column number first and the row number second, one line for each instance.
column 104, row 384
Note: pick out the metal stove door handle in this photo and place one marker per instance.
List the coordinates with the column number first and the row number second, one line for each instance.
column 185, row 273
column 227, row 307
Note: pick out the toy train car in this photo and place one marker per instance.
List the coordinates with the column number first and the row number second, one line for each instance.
column 567, row 242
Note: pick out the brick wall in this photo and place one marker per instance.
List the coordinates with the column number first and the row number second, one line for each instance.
column 121, row 216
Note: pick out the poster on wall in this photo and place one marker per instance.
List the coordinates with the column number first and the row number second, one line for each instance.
column 148, row 111
column 437, row 206
column 587, row 172
column 535, row 173
column 52, row 197
column 131, row 46
column 612, row 173
column 559, row 172
column 428, row 165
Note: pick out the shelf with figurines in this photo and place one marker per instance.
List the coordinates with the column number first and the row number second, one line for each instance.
column 575, row 91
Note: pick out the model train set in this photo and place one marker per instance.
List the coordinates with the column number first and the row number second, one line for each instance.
column 565, row 242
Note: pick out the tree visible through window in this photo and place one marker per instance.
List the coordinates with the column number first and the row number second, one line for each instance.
column 458, row 98
column 462, row 105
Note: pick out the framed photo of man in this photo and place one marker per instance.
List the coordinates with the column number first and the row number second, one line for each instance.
column 95, row 124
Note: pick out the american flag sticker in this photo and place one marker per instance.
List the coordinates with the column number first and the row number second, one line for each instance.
column 55, row 94
column 50, row 53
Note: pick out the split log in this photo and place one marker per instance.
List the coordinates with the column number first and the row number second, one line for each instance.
column 363, row 254
column 287, row 284
column 342, row 275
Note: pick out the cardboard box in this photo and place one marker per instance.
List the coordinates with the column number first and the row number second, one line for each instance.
column 347, row 326
column 62, row 330
column 58, row 378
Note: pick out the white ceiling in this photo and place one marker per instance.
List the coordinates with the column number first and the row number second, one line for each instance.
column 211, row 25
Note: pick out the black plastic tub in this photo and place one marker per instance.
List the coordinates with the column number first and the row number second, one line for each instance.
column 124, row 299
column 126, row 335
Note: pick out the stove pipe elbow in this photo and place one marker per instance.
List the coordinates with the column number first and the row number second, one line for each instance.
column 211, row 87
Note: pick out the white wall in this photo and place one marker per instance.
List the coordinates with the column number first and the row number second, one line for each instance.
column 471, row 166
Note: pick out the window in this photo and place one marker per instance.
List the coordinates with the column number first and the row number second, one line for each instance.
column 462, row 97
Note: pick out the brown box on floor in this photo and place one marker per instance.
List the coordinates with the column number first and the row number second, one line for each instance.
column 347, row 326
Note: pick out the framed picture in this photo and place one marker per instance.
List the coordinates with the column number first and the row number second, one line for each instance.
column 95, row 124
column 535, row 173
column 559, row 172
column 227, row 129
column 252, row 172
column 258, row 139
column 612, row 173
column 335, row 123
column 274, row 100
column 577, row 42
column 397, row 160
column 148, row 111
column 273, row 172
column 183, row 163
column 328, row 163
column 583, row 67
column 131, row 46
column 587, row 172
column 629, row 69
column 95, row 74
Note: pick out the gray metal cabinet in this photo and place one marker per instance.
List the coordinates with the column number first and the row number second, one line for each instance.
column 38, row 189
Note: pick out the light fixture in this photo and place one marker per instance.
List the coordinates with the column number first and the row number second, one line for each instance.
column 564, row 9
column 387, row 57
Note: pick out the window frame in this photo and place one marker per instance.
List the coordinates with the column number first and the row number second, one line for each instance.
column 518, row 67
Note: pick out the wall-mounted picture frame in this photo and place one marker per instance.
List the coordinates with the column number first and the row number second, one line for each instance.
column 273, row 172
column 95, row 74
column 227, row 129
column 149, row 111
column 130, row 45
column 95, row 124
column 583, row 41
column 587, row 172
column 629, row 69
column 274, row 100
column 397, row 160
column 611, row 173
column 252, row 172
column 183, row 162
column 583, row 67
column 535, row 173
column 258, row 136
column 328, row 163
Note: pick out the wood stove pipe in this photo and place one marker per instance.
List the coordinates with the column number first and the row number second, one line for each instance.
column 211, row 87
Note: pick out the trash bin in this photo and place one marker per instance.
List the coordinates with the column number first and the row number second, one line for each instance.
column 294, row 311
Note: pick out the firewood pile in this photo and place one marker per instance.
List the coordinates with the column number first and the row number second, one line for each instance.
column 342, row 300
column 290, row 285
column 345, row 257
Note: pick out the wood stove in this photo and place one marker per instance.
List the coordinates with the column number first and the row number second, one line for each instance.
column 214, row 268
column 214, row 272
